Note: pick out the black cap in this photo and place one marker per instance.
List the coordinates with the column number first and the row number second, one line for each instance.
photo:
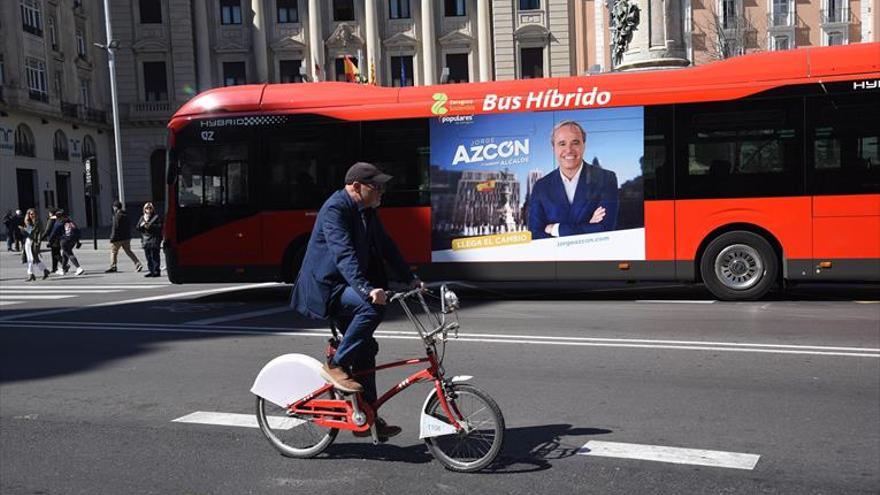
column 366, row 173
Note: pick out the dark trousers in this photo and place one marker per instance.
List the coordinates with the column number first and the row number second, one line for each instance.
column 358, row 348
column 56, row 256
column 154, row 265
column 67, row 256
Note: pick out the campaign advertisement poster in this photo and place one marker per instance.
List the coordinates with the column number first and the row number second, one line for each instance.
column 540, row 186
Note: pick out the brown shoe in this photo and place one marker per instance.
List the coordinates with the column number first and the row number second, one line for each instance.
column 383, row 430
column 340, row 379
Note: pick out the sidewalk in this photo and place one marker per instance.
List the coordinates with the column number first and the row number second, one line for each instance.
column 92, row 260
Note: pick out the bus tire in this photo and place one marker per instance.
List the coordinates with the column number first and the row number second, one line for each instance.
column 739, row 266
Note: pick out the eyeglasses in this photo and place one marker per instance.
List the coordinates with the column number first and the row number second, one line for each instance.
column 380, row 188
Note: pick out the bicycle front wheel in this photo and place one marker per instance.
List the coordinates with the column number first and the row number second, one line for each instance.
column 478, row 441
column 292, row 436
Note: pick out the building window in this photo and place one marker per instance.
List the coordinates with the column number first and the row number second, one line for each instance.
column 454, row 8
column 288, row 11
column 835, row 38
column 836, row 11
column 781, row 13
column 780, row 43
column 531, row 63
column 288, row 71
column 85, row 93
column 31, row 19
column 24, row 141
column 151, row 11
column 398, row 9
column 339, row 66
column 53, row 34
column 402, row 71
column 230, row 11
column 234, row 73
column 728, row 14
column 36, row 78
column 343, row 10
column 458, row 67
column 60, row 148
column 80, row 44
column 529, row 4
column 155, row 82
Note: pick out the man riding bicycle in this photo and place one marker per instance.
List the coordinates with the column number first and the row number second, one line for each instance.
column 343, row 278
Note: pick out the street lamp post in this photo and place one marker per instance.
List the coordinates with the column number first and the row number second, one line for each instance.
column 111, row 47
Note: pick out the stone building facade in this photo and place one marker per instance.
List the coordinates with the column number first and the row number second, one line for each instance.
column 54, row 108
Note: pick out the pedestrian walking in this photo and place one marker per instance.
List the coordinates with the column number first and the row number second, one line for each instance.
column 120, row 238
column 150, row 227
column 68, row 234
column 13, row 235
column 32, row 233
column 55, row 244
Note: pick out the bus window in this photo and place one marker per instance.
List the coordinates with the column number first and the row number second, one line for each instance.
column 307, row 158
column 843, row 144
column 400, row 148
column 657, row 161
column 190, row 190
column 740, row 149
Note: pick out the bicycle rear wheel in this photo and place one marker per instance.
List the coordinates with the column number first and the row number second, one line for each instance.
column 479, row 440
column 293, row 437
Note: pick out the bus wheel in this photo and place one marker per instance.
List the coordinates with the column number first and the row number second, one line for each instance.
column 739, row 266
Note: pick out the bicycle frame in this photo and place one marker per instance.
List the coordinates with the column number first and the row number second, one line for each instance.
column 338, row 413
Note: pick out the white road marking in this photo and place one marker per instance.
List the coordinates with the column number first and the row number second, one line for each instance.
column 9, row 303
column 177, row 295
column 29, row 297
column 486, row 338
column 5, row 291
column 675, row 455
column 238, row 420
column 675, row 301
column 53, row 286
column 239, row 316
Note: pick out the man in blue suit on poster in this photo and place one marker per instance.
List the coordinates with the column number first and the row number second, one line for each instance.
column 576, row 198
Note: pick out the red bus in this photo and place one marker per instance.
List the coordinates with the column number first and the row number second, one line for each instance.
column 740, row 174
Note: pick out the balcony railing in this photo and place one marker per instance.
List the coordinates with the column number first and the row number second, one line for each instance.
column 834, row 16
column 70, row 110
column 39, row 96
column 95, row 115
column 780, row 19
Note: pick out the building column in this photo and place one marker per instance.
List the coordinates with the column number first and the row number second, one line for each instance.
column 484, row 30
column 658, row 38
column 374, row 53
column 259, row 36
column 316, row 41
column 203, row 46
column 428, row 40
column 601, row 48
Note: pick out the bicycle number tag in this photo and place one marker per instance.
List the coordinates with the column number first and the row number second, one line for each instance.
column 288, row 378
column 433, row 427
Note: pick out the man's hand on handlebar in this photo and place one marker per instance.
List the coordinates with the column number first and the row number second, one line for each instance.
column 417, row 284
column 377, row 296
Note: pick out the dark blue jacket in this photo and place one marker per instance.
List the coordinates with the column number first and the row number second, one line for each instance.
column 548, row 203
column 338, row 256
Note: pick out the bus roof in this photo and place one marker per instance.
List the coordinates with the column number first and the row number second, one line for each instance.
column 728, row 79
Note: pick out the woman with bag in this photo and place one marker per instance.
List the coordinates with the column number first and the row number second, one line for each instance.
column 150, row 227
column 32, row 233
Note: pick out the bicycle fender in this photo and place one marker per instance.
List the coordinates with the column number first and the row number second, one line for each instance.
column 430, row 426
column 288, row 378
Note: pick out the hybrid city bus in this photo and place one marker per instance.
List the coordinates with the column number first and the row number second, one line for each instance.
column 740, row 174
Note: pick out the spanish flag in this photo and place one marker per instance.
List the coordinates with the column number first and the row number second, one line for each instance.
column 351, row 70
column 487, row 186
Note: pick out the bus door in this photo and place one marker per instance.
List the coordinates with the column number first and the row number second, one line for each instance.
column 843, row 153
column 217, row 222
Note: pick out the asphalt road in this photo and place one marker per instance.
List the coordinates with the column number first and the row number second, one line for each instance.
column 92, row 382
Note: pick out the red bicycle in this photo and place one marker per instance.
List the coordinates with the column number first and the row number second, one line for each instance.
column 301, row 414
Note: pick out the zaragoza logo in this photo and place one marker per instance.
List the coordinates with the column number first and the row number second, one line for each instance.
column 439, row 106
